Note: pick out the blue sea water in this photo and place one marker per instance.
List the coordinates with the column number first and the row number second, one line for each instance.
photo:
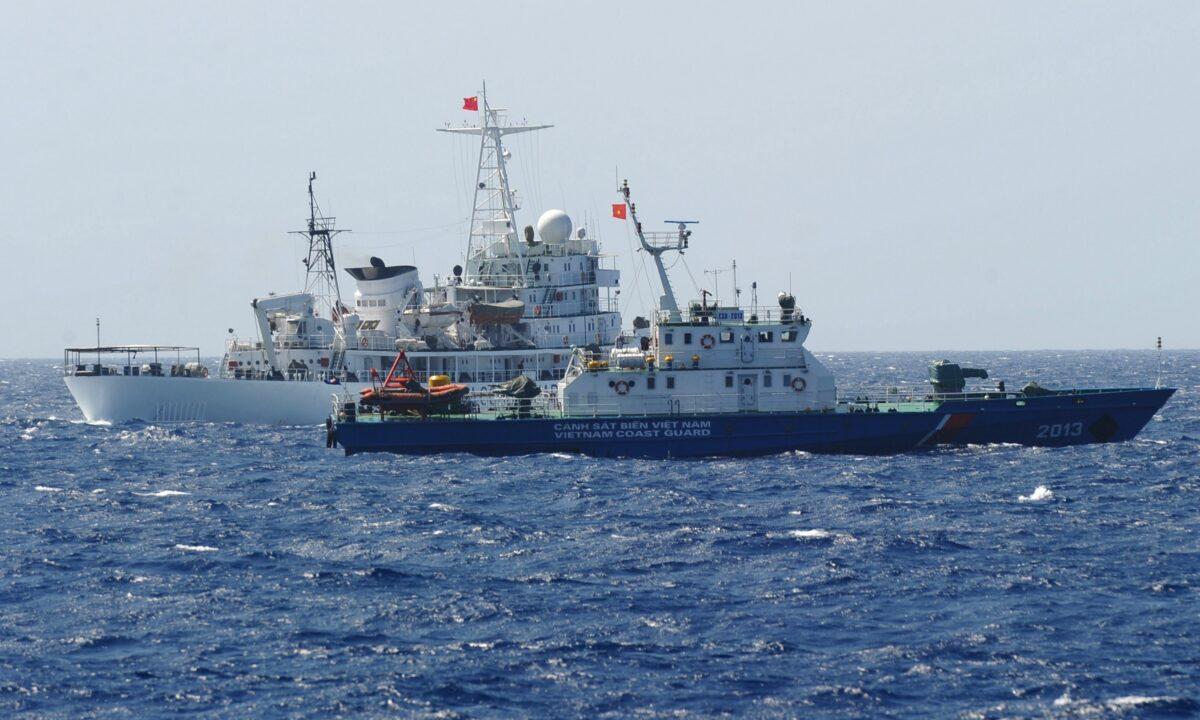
column 237, row 571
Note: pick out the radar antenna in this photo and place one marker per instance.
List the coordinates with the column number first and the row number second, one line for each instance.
column 658, row 243
column 320, row 268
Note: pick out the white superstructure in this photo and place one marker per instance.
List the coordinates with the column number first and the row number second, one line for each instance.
column 705, row 359
column 517, row 306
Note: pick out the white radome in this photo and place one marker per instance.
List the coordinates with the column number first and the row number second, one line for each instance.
column 554, row 226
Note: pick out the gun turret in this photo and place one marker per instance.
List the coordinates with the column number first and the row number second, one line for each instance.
column 947, row 377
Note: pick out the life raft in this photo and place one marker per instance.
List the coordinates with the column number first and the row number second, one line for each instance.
column 401, row 392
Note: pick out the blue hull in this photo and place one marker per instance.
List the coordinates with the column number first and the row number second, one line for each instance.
column 1055, row 420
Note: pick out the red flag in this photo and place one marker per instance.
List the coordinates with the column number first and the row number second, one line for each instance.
column 619, row 211
column 471, row 103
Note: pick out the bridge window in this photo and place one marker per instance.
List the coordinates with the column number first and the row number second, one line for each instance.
column 687, row 338
column 767, row 380
column 668, row 338
column 728, row 381
column 766, row 336
column 670, row 383
column 650, row 382
column 726, row 336
column 788, row 336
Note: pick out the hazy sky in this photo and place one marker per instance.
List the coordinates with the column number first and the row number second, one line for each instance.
column 925, row 175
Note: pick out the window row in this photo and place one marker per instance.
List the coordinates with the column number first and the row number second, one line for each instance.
column 727, row 336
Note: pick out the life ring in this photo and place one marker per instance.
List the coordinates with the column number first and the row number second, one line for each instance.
column 621, row 387
column 537, row 310
column 798, row 384
column 707, row 342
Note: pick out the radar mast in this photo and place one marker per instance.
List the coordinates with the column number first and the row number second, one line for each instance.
column 657, row 243
column 493, row 232
column 320, row 269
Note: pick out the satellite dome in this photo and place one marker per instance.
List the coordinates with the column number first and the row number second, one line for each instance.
column 554, row 226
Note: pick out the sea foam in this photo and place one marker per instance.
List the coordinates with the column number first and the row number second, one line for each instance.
column 1041, row 492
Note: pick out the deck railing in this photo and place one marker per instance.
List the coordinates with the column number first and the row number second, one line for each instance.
column 151, row 360
column 549, row 405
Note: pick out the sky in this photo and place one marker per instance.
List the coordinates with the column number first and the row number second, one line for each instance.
column 945, row 175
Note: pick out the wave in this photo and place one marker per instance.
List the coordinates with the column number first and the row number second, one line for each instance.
column 814, row 534
column 1127, row 703
column 162, row 493
column 1040, row 493
column 195, row 548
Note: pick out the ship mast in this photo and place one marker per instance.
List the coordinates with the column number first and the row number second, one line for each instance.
column 321, row 271
column 657, row 243
column 493, row 232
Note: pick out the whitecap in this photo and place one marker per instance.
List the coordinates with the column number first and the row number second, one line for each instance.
column 1133, row 701
column 1041, row 492
column 162, row 493
column 442, row 506
column 195, row 548
column 46, row 488
column 814, row 534
column 561, row 456
column 1121, row 704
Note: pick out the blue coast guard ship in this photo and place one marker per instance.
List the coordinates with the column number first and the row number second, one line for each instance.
column 710, row 380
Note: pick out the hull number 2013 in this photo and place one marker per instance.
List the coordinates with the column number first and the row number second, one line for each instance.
column 1057, row 430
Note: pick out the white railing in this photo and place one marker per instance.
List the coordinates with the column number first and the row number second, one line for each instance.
column 665, row 405
column 750, row 315
column 544, row 279
column 665, row 239
column 570, row 308
column 386, row 343
column 150, row 360
column 909, row 394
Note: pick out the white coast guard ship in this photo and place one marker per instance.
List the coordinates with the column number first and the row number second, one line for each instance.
column 516, row 306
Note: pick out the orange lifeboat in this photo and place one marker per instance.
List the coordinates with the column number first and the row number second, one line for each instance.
column 402, row 392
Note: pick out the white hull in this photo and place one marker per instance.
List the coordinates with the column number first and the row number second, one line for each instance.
column 119, row 399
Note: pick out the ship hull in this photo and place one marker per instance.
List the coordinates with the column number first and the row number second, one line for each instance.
column 119, row 399
column 1061, row 420
column 122, row 398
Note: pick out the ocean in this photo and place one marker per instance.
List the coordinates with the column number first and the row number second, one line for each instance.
column 237, row 571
